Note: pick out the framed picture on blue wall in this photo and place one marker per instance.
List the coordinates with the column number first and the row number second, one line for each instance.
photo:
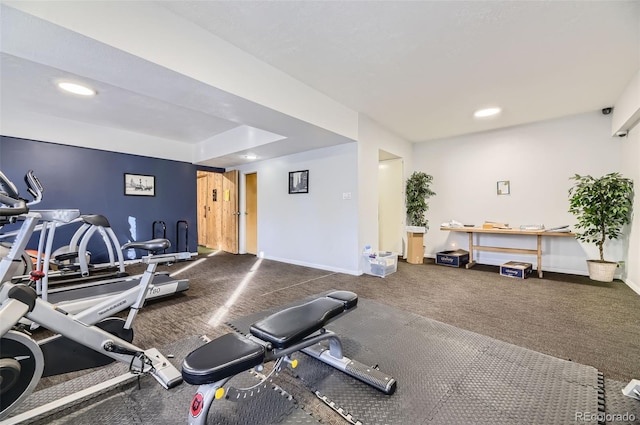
column 139, row 185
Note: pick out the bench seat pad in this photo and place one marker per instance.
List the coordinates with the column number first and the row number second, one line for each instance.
column 350, row 299
column 223, row 357
column 291, row 325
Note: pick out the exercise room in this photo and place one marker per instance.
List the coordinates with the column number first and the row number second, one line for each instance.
column 373, row 212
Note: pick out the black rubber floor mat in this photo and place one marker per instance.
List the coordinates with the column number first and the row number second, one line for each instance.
column 149, row 403
column 445, row 374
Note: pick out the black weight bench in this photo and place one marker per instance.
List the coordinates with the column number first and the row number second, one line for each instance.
column 276, row 337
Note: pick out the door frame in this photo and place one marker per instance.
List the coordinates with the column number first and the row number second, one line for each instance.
column 226, row 203
column 250, row 195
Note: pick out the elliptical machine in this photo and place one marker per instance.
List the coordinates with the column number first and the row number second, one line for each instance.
column 85, row 340
column 20, row 263
column 75, row 296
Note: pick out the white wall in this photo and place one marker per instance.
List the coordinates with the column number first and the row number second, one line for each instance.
column 626, row 112
column 538, row 159
column 625, row 115
column 371, row 138
column 321, row 229
column 631, row 169
column 391, row 210
column 318, row 229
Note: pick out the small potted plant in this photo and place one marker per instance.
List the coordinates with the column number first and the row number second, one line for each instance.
column 417, row 191
column 603, row 206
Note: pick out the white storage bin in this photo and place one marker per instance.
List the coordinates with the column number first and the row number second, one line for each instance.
column 380, row 264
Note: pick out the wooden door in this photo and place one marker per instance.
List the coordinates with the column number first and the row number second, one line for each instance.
column 230, row 211
column 251, row 213
column 209, row 209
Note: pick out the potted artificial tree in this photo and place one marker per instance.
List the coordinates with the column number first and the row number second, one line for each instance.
column 602, row 206
column 417, row 191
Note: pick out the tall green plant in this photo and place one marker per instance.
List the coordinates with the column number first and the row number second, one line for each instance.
column 417, row 191
column 602, row 205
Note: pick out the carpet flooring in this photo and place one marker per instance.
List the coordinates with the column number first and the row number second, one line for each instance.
column 564, row 316
column 445, row 375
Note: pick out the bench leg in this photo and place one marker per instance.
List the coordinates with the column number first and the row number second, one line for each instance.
column 335, row 348
column 201, row 402
column 333, row 357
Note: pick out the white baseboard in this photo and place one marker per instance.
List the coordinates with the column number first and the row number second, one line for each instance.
column 633, row 285
column 315, row 266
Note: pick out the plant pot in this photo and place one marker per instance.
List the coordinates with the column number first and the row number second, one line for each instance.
column 415, row 247
column 416, row 229
column 602, row 271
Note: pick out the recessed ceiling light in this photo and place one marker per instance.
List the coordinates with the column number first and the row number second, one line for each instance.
column 77, row 89
column 250, row 156
column 487, row 112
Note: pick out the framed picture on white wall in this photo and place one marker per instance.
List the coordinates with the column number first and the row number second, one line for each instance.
column 299, row 181
column 504, row 188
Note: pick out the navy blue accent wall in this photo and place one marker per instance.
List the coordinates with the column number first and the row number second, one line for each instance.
column 92, row 181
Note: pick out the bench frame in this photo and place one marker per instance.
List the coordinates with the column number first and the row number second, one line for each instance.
column 314, row 345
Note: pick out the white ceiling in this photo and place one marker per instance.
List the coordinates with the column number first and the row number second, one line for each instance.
column 419, row 69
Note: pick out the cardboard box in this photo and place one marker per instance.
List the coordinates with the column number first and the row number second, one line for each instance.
column 516, row 269
column 456, row 258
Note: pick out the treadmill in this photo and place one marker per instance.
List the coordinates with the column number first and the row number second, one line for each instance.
column 73, row 298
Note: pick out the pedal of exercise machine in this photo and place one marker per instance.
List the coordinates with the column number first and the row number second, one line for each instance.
column 162, row 369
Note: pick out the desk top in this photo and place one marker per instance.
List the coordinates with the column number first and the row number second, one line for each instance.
column 506, row 231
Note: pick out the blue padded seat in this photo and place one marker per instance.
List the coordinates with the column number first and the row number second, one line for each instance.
column 225, row 356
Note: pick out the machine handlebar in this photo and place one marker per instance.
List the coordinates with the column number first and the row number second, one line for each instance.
column 34, row 187
column 14, row 206
column 11, row 204
column 7, row 187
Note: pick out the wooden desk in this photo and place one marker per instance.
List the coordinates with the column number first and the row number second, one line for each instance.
column 538, row 233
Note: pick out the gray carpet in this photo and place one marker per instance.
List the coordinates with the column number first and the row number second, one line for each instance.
column 567, row 317
column 445, row 375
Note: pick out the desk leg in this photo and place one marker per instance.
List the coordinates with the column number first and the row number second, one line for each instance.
column 471, row 263
column 540, row 256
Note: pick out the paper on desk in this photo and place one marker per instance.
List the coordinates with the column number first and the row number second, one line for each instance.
column 532, row 227
column 452, row 223
column 559, row 229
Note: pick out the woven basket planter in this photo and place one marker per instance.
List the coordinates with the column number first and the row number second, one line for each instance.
column 601, row 271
